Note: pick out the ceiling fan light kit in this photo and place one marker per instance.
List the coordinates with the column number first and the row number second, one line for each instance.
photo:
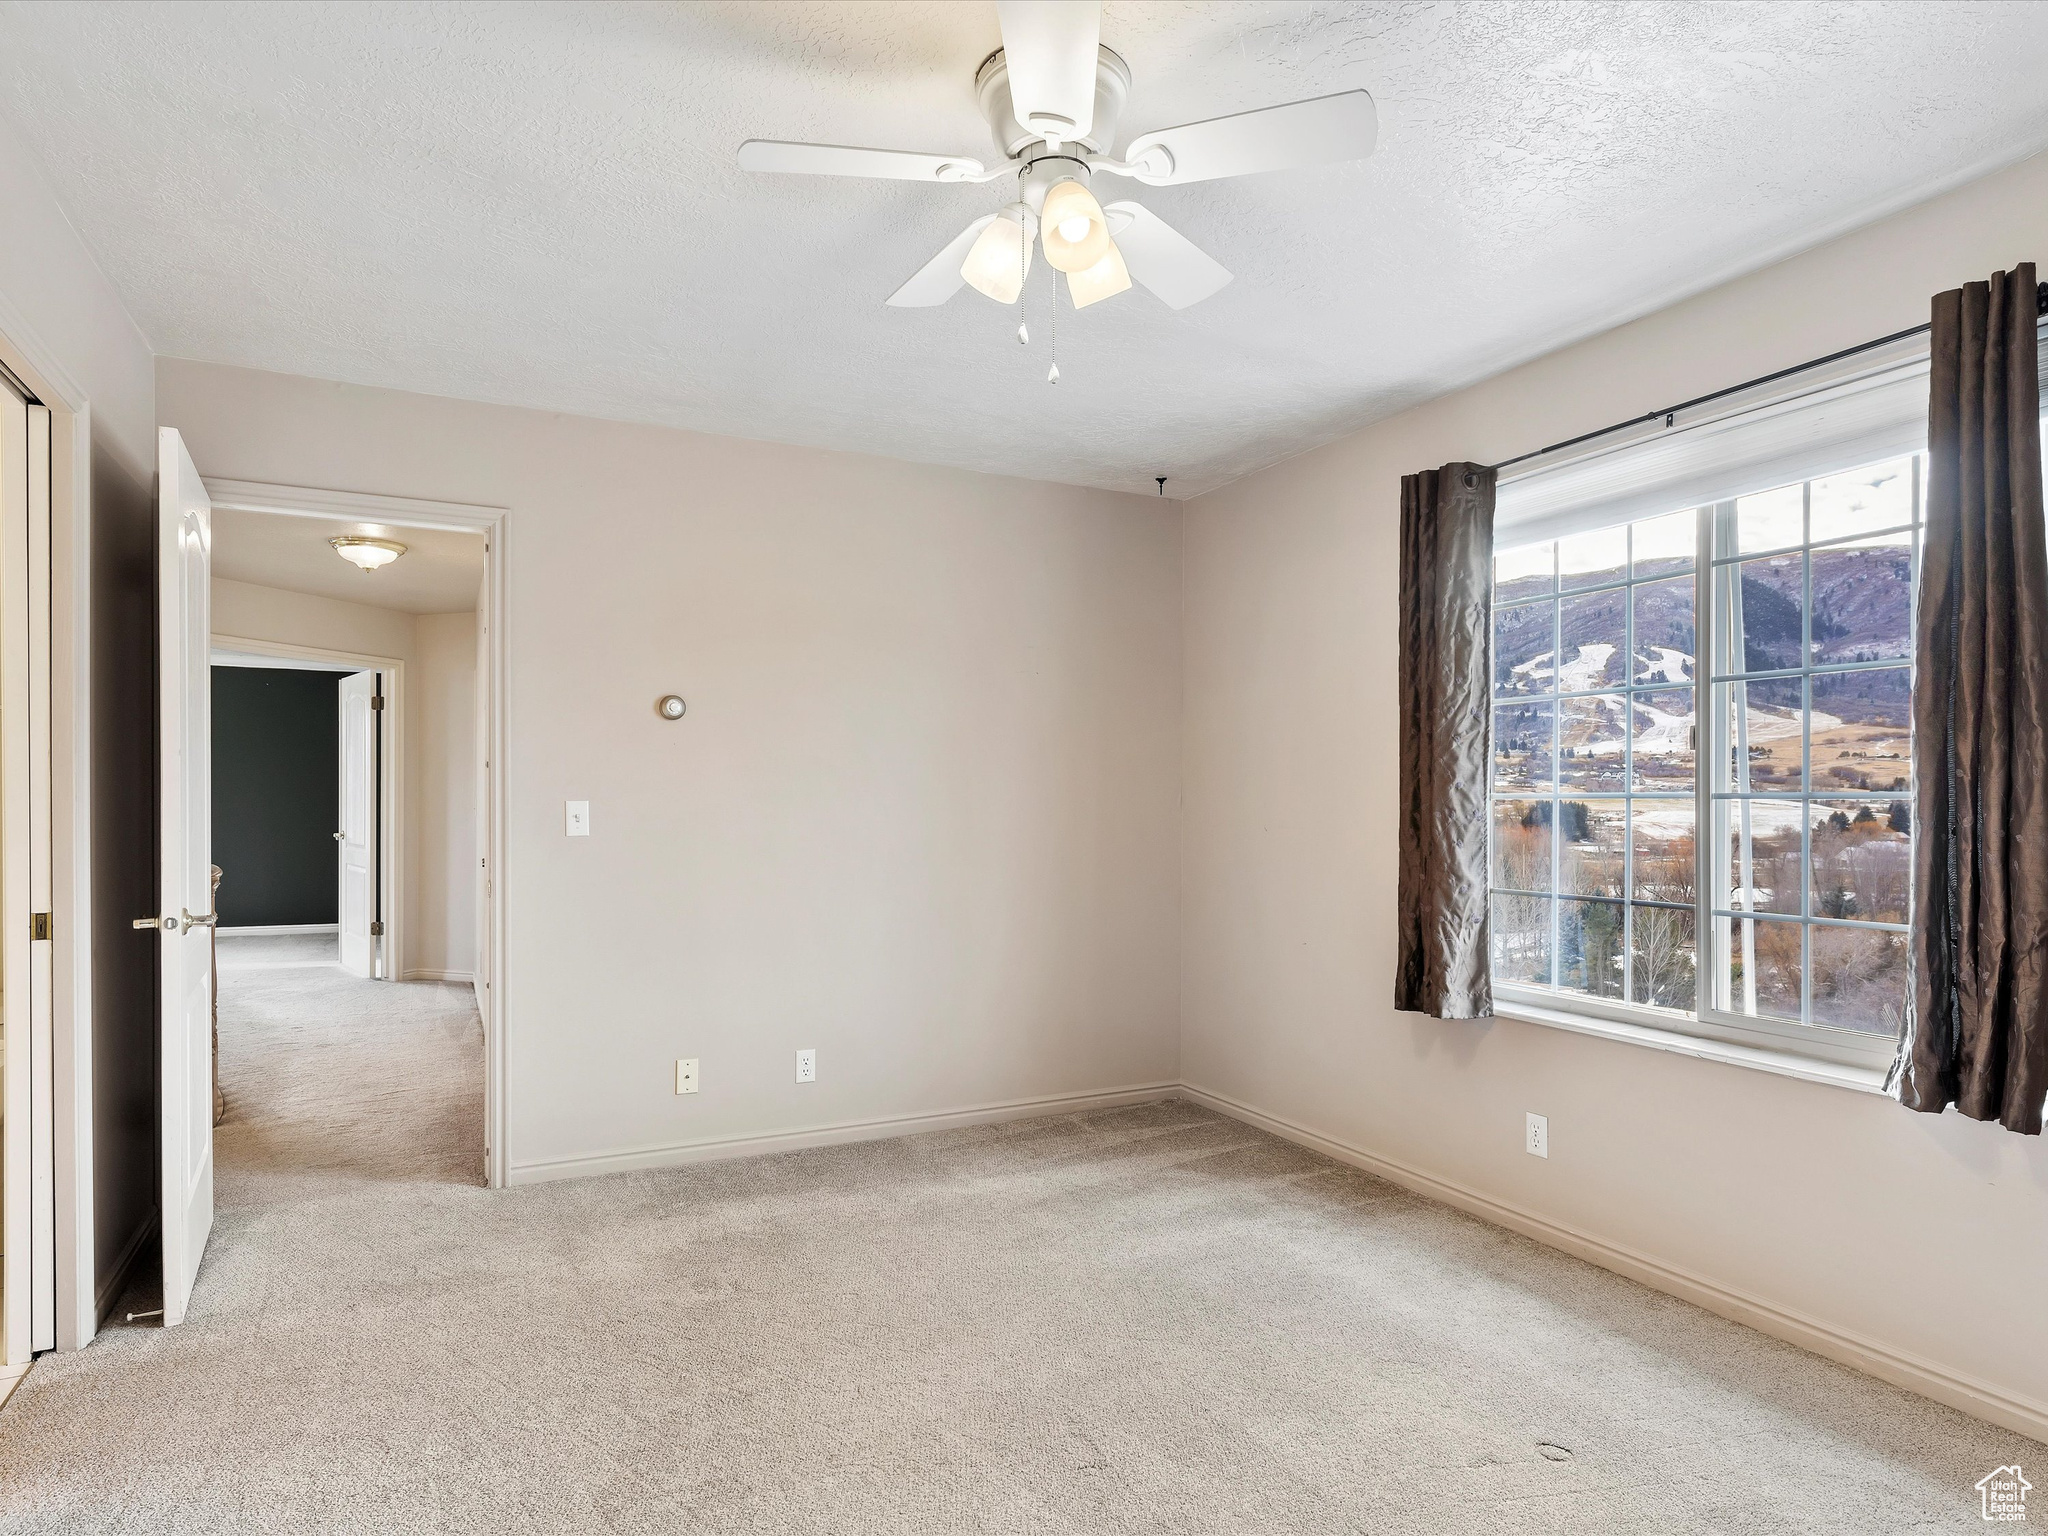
column 1105, row 280
column 1053, row 97
column 1000, row 258
column 1071, row 227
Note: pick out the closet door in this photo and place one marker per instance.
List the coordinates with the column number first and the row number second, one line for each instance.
column 28, row 1209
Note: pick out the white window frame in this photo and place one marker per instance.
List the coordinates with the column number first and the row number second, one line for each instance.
column 1802, row 1048
column 1712, row 927
column 1627, row 689
column 1718, row 552
column 1837, row 415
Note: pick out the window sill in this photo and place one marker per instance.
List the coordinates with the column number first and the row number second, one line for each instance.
column 1785, row 1063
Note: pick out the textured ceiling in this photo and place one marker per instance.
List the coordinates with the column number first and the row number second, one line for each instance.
column 538, row 203
column 440, row 571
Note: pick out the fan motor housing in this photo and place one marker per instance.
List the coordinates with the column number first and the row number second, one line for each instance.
column 1112, row 90
column 1045, row 170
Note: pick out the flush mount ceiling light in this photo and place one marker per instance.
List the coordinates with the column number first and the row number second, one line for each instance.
column 367, row 553
column 1052, row 94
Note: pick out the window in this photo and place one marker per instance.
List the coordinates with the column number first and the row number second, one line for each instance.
column 1812, row 769
column 1788, row 920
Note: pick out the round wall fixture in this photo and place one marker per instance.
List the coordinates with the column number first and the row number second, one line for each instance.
column 671, row 706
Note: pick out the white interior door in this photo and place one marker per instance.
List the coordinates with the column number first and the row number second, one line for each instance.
column 185, row 771
column 28, row 1282
column 358, row 835
column 486, row 882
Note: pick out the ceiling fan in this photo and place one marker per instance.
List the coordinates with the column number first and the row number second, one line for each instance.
column 1052, row 94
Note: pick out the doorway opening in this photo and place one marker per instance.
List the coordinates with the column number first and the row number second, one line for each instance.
column 347, row 764
column 323, row 1078
column 309, row 775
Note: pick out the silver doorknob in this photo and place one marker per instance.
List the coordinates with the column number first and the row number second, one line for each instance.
column 182, row 924
column 338, row 836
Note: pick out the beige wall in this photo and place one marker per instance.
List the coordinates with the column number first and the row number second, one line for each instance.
column 248, row 611
column 443, row 945
column 921, row 816
column 439, row 652
column 1928, row 1235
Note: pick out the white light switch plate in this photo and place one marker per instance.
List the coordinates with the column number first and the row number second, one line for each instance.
column 686, row 1074
column 1539, row 1136
column 807, row 1066
column 579, row 818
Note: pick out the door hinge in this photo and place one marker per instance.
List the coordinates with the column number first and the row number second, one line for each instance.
column 377, row 701
column 376, row 930
column 39, row 925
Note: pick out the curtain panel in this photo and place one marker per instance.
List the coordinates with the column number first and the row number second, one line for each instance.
column 1976, row 1032
column 1446, row 679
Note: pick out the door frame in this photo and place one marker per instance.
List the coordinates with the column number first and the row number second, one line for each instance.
column 391, row 808
column 493, row 691
column 67, row 575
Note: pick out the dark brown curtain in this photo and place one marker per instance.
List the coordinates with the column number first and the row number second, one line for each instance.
column 1446, row 677
column 1977, row 1032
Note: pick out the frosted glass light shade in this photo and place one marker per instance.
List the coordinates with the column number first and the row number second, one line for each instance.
column 1105, row 279
column 367, row 554
column 1000, row 257
column 1068, row 245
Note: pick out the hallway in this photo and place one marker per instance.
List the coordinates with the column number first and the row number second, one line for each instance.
column 331, row 1080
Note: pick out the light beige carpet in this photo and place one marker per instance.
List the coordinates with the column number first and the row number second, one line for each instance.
column 1148, row 1320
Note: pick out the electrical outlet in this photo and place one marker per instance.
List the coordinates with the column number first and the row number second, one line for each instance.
column 807, row 1066
column 1539, row 1136
column 686, row 1074
column 579, row 818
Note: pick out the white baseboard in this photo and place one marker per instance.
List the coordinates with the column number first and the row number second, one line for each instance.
column 1977, row 1398
column 278, row 930
column 714, row 1148
column 419, row 974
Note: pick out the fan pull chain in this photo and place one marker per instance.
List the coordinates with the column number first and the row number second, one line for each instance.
column 1052, row 326
column 1023, row 270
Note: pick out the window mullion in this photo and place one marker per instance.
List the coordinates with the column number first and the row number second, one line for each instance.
column 1704, row 945
column 1628, row 769
column 1806, row 756
column 1553, row 808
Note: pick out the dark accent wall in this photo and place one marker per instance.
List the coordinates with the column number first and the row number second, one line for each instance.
column 276, row 745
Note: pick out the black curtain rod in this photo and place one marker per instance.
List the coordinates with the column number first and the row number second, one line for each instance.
column 1669, row 411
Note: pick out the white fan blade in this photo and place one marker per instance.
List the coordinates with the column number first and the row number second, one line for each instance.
column 1162, row 258
column 844, row 160
column 1340, row 127
column 1049, row 49
column 939, row 279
